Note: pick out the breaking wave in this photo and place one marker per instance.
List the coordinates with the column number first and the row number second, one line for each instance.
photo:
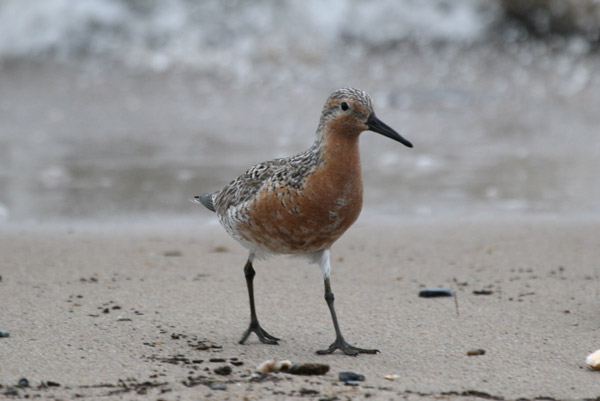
column 213, row 33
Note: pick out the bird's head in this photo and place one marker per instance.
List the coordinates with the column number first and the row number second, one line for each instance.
column 349, row 111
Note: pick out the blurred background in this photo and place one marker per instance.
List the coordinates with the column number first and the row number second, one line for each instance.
column 115, row 110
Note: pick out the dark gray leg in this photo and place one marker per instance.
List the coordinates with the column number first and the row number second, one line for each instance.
column 254, row 327
column 339, row 342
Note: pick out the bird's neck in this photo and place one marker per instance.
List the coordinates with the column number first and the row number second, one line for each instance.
column 339, row 169
column 341, row 154
column 335, row 187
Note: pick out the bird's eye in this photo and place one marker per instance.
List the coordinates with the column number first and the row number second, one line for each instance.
column 344, row 106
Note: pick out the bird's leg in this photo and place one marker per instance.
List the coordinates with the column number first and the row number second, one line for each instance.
column 254, row 327
column 339, row 342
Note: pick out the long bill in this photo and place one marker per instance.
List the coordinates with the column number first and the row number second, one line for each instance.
column 376, row 125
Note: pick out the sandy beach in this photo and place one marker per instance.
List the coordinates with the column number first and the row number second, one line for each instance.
column 114, row 113
column 116, row 312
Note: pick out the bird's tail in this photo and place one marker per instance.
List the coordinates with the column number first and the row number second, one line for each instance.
column 206, row 200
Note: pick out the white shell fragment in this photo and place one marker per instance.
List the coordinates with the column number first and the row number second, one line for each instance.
column 391, row 377
column 266, row 366
column 593, row 360
column 271, row 365
column 283, row 365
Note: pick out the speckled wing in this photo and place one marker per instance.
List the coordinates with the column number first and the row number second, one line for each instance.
column 247, row 185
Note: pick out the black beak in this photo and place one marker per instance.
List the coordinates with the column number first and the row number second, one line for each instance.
column 376, row 125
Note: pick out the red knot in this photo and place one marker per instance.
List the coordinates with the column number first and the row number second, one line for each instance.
column 302, row 204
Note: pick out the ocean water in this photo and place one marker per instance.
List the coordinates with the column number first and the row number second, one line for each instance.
column 117, row 110
column 232, row 35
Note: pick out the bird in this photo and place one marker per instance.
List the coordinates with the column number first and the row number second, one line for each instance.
column 301, row 205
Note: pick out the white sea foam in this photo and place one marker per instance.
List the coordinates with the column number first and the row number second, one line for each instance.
column 157, row 34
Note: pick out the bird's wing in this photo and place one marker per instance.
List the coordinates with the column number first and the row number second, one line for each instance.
column 247, row 185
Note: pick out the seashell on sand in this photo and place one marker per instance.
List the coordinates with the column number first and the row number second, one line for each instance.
column 271, row 365
column 593, row 360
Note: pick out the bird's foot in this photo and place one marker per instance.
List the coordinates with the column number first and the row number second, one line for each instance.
column 263, row 336
column 346, row 348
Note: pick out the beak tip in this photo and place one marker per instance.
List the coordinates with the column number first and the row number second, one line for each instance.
column 376, row 125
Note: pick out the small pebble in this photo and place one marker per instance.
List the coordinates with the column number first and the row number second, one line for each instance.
column 435, row 292
column 309, row 369
column 258, row 376
column 4, row 333
column 11, row 392
column 218, row 387
column 483, row 292
column 476, row 352
column 351, row 376
column 308, row 391
column 224, row 370
column 391, row 377
column 23, row 383
column 593, row 360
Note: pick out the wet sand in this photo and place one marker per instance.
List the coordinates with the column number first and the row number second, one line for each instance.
column 121, row 311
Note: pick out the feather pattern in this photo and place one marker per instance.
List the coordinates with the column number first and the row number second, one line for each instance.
column 303, row 203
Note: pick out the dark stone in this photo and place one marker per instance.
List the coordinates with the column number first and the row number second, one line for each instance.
column 11, row 392
column 309, row 369
column 483, row 292
column 218, row 387
column 476, row 352
column 4, row 333
column 223, row 370
column 308, row 391
column 23, row 383
column 351, row 376
column 258, row 377
column 435, row 292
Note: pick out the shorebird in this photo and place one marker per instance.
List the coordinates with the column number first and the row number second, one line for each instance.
column 302, row 204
